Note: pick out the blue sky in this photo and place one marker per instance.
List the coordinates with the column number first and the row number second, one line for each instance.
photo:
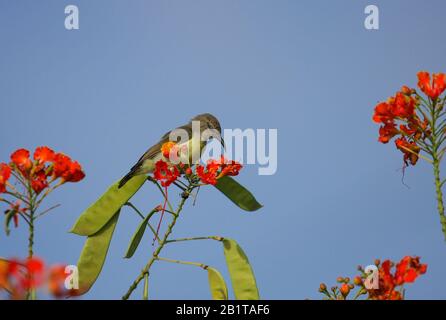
column 106, row 92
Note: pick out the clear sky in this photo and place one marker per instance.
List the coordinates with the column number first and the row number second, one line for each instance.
column 134, row 69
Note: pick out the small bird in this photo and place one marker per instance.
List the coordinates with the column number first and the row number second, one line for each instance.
column 146, row 164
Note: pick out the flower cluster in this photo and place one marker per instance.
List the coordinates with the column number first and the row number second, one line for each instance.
column 216, row 169
column 389, row 285
column 46, row 167
column 33, row 175
column 18, row 278
column 167, row 173
column 402, row 116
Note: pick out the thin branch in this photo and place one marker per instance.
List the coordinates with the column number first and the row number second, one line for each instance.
column 162, row 192
column 47, row 210
column 216, row 238
column 196, row 196
column 151, row 213
column 6, row 201
column 19, row 179
column 179, row 186
column 25, row 218
column 129, row 204
column 182, row 183
column 48, row 191
column 18, row 196
column 197, row 264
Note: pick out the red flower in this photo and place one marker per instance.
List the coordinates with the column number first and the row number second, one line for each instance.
column 56, row 282
column 165, row 174
column 68, row 170
column 22, row 161
column 230, row 169
column 410, row 150
column 61, row 164
column 402, row 106
column 5, row 173
column 207, row 176
column 408, row 270
column 74, row 172
column 387, row 132
column 383, row 113
column 28, row 274
column 432, row 89
column 44, row 154
column 39, row 182
column 216, row 169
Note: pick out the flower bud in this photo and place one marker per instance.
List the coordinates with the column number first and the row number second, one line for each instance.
column 407, row 91
column 357, row 281
column 322, row 287
column 345, row 290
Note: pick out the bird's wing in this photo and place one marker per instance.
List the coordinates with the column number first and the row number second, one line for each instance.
column 155, row 149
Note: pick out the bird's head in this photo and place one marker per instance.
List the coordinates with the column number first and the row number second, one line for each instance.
column 208, row 121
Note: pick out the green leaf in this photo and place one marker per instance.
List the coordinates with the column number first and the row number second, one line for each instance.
column 242, row 276
column 237, row 194
column 217, row 284
column 137, row 236
column 9, row 215
column 100, row 212
column 93, row 255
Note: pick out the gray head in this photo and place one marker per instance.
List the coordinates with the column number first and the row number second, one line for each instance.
column 208, row 121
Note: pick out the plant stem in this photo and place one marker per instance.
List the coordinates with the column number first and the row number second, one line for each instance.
column 31, row 295
column 47, row 210
column 216, row 238
column 436, row 165
column 31, row 238
column 145, row 272
column 439, row 194
column 197, row 264
column 146, row 287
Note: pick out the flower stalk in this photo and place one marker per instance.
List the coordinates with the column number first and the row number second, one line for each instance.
column 419, row 125
column 146, row 271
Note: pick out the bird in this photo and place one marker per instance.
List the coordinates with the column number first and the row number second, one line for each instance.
column 146, row 163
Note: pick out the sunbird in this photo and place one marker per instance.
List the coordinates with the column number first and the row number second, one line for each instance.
column 195, row 145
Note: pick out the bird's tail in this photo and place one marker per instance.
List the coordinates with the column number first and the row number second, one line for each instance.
column 126, row 178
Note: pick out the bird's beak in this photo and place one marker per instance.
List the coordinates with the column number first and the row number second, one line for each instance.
column 222, row 142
